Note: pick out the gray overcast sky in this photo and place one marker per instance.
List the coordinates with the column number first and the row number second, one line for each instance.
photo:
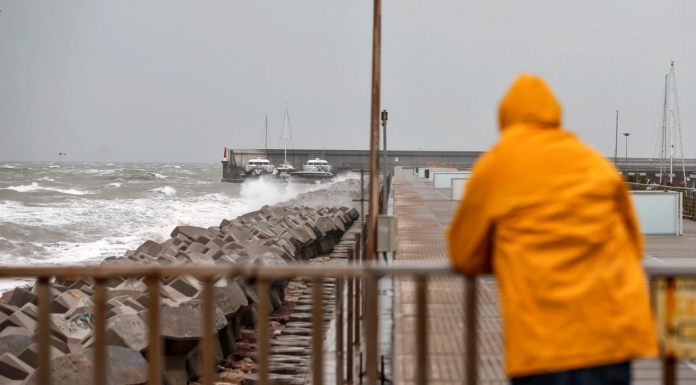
column 177, row 81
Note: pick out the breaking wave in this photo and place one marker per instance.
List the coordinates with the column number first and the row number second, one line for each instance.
column 35, row 187
column 166, row 190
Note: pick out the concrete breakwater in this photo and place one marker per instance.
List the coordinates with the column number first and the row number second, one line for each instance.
column 290, row 232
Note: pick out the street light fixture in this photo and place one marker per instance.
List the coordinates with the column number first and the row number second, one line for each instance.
column 626, row 134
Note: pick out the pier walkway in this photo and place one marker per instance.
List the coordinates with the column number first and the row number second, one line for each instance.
column 424, row 213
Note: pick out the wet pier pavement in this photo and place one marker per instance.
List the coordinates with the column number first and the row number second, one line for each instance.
column 423, row 215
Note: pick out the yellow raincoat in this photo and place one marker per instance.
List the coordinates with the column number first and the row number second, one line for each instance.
column 553, row 220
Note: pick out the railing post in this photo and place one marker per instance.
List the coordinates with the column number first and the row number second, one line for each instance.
column 422, row 361
column 154, row 349
column 263, row 291
column 317, row 331
column 350, row 324
column 358, row 295
column 339, row 331
column 100, row 374
column 471, row 332
column 372, row 328
column 43, row 376
column 669, row 365
column 208, row 332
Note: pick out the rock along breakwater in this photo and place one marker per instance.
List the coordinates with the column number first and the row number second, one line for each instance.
column 290, row 232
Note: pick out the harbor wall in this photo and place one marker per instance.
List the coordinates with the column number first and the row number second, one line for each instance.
column 345, row 160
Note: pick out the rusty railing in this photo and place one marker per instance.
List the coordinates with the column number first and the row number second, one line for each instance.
column 361, row 279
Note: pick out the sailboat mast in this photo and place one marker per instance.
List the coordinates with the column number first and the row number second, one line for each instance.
column 266, row 136
column 663, row 147
column 286, row 139
column 678, row 120
column 670, row 123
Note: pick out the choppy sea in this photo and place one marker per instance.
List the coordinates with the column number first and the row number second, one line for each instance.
column 80, row 213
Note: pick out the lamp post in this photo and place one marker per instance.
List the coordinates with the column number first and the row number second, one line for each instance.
column 626, row 134
column 385, row 116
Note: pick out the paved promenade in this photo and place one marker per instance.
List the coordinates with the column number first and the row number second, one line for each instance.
column 424, row 213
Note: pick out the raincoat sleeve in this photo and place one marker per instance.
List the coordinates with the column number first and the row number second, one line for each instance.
column 625, row 207
column 470, row 233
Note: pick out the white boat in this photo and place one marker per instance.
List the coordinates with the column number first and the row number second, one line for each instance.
column 260, row 166
column 315, row 176
column 285, row 168
column 317, row 164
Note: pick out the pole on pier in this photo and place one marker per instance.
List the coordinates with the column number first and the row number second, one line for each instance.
column 616, row 141
column 374, row 133
column 626, row 134
column 385, row 198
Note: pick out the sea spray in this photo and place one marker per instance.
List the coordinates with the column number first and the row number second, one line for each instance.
column 260, row 192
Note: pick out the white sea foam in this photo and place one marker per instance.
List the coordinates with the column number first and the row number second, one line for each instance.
column 260, row 192
column 26, row 188
column 166, row 190
column 115, row 185
column 35, row 187
column 46, row 179
column 7, row 166
column 121, row 224
column 53, row 166
column 156, row 175
column 109, row 164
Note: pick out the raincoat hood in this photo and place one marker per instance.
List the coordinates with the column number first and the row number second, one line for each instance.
column 529, row 101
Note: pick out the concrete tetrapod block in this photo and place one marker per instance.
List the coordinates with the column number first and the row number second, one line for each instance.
column 13, row 368
column 15, row 331
column 120, row 310
column 126, row 367
column 228, row 298
column 238, row 235
column 173, row 294
column 197, row 248
column 68, row 331
column 150, row 248
column 184, row 287
column 191, row 232
column 30, row 355
column 15, row 344
column 67, row 300
column 21, row 296
column 132, row 284
column 128, row 331
column 182, row 328
column 19, row 319
column 175, row 370
column 194, row 363
column 80, row 284
column 7, row 309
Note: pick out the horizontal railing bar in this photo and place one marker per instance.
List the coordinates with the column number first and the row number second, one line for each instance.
column 677, row 269
column 227, row 271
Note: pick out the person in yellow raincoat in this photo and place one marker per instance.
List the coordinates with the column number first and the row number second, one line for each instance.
column 552, row 219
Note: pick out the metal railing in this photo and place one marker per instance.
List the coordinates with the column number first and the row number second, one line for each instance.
column 361, row 283
column 361, row 280
column 688, row 196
